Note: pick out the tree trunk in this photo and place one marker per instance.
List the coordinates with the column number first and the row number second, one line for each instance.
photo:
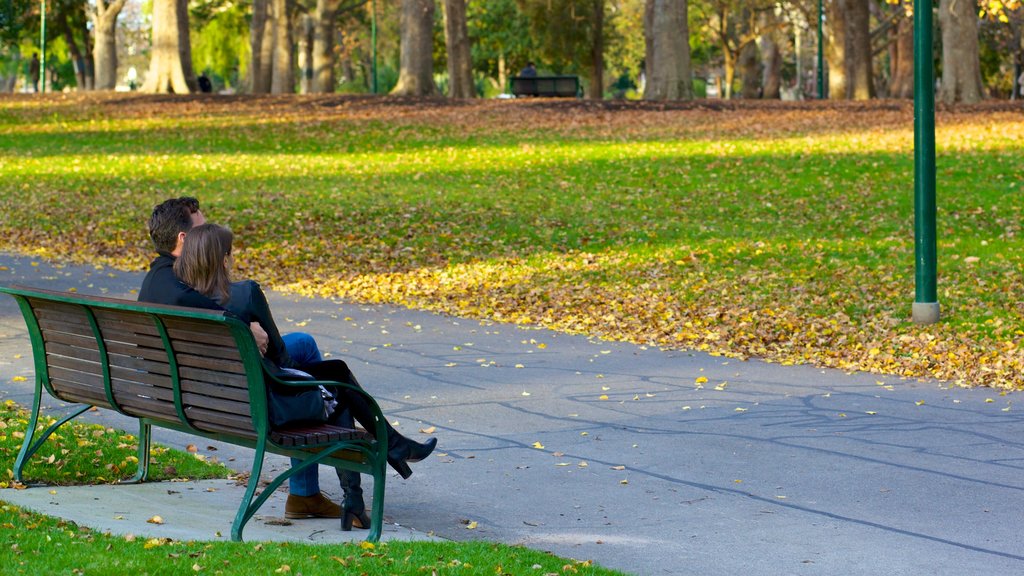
column 76, row 55
column 771, row 78
column 323, row 46
column 282, row 79
column 502, row 73
column 305, row 49
column 166, row 73
column 259, row 81
column 90, row 70
column 105, row 49
column 729, row 66
column 185, row 46
column 961, row 67
column 460, row 62
column 750, row 74
column 835, row 55
column 860, row 82
column 416, row 60
column 668, row 51
column 901, row 80
column 597, row 52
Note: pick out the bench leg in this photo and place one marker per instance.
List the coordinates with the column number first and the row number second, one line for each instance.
column 31, row 444
column 145, row 443
column 377, row 514
column 247, row 508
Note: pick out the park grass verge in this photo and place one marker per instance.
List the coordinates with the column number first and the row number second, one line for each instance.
column 90, row 454
column 782, row 232
column 35, row 544
column 81, row 453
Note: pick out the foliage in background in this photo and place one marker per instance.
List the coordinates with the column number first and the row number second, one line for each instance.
column 220, row 39
column 777, row 231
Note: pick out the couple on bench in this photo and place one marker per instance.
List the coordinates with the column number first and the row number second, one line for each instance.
column 193, row 269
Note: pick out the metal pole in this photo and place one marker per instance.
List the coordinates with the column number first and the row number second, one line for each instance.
column 926, row 303
column 373, row 40
column 42, row 46
column 821, row 49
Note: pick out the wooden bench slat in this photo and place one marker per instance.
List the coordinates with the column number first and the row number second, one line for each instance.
column 215, row 364
column 206, row 350
column 126, row 322
column 214, row 391
column 200, row 417
column 74, row 391
column 219, row 378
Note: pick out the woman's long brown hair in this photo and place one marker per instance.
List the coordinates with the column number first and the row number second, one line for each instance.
column 202, row 263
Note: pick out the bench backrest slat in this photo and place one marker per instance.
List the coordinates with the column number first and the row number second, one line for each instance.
column 194, row 368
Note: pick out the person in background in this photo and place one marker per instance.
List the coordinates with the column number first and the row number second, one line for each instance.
column 33, row 72
column 530, row 71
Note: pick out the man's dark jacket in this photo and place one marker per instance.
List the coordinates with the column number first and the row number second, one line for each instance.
column 161, row 286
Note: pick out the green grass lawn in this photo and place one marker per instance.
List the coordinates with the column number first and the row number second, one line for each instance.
column 777, row 231
column 78, row 453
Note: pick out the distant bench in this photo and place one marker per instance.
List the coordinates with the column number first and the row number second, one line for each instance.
column 546, row 86
column 190, row 370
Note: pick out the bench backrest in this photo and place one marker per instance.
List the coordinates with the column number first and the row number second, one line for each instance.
column 195, row 369
column 555, row 86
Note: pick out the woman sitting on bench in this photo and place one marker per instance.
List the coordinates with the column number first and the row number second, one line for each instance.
column 204, row 264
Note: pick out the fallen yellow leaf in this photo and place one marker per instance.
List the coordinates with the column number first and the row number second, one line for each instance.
column 538, row 445
column 155, row 520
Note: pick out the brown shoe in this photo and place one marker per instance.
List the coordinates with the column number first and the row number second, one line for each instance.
column 316, row 506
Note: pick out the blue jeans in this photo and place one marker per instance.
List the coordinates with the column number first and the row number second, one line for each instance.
column 303, row 350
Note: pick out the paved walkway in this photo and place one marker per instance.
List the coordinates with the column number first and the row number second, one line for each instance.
column 613, row 452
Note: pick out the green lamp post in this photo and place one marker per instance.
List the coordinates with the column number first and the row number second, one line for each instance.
column 926, row 302
column 42, row 45
column 821, row 49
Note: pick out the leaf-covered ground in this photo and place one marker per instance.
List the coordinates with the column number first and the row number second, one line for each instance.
column 771, row 230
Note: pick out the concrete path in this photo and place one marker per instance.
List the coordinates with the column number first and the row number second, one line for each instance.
column 643, row 460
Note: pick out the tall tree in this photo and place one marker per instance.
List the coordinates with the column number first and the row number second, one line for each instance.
column 324, row 27
column 416, row 57
column 835, row 54
column 771, row 74
column 166, row 68
column 901, row 58
column 105, row 50
column 282, row 78
column 260, row 44
column 72, row 24
column 961, row 65
column 460, row 62
column 667, row 56
column 306, row 27
column 860, row 81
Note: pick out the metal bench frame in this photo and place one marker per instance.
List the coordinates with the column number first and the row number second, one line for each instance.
column 190, row 370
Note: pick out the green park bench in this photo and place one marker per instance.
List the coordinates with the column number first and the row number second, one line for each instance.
column 190, row 370
column 546, row 86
